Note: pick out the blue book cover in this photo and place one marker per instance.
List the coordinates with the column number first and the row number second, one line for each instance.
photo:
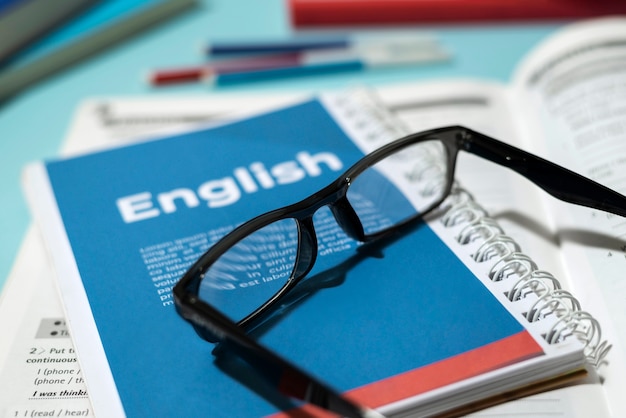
column 408, row 322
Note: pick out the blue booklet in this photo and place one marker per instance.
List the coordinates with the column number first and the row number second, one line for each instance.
column 415, row 326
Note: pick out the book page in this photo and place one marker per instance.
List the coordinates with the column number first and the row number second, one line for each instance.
column 571, row 95
column 39, row 371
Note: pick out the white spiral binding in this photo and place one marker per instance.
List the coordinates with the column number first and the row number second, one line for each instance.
column 538, row 291
column 525, row 280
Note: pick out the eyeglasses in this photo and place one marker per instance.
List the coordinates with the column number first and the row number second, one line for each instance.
column 381, row 195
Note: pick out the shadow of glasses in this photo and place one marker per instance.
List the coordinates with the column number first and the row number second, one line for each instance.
column 248, row 375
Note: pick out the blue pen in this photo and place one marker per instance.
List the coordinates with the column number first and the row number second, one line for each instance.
column 331, row 61
column 309, row 44
column 284, row 72
column 277, row 46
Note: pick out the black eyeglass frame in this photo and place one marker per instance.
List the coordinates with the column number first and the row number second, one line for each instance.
column 214, row 326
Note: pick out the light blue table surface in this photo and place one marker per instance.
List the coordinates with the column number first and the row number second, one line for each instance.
column 33, row 124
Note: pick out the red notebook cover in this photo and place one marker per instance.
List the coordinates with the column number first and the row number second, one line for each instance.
column 311, row 13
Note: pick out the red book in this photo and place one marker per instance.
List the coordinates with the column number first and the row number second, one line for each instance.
column 312, row 13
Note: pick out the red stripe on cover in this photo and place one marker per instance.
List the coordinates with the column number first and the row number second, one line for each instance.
column 501, row 353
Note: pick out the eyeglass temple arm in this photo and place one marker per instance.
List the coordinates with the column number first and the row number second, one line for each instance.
column 554, row 179
column 297, row 384
column 287, row 378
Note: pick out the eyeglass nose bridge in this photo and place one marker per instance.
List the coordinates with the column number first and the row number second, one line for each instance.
column 347, row 218
column 307, row 248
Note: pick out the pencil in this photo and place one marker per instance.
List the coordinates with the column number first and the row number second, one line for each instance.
column 199, row 73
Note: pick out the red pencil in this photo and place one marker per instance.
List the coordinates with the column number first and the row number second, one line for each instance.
column 191, row 74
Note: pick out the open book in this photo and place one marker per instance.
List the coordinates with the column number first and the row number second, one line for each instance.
column 486, row 107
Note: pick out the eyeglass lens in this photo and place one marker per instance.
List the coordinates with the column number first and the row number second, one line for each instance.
column 418, row 171
column 400, row 186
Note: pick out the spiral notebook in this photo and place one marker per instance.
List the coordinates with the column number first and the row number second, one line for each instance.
column 449, row 318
